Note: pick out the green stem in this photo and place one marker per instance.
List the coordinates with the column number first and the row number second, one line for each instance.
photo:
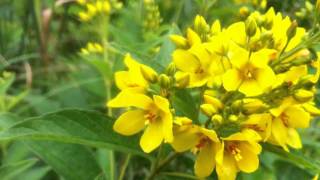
column 161, row 165
column 180, row 175
column 124, row 166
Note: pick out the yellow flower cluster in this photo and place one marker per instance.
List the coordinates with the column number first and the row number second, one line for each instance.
column 255, row 86
column 93, row 8
column 92, row 48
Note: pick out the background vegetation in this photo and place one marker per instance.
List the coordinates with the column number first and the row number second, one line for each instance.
column 44, row 72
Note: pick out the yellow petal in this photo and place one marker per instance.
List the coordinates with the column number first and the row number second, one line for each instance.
column 237, row 33
column 265, row 77
column 228, row 169
column 202, row 54
column 244, row 135
column 167, row 127
column 297, row 117
column 250, row 88
column 130, row 122
column 261, row 58
column 239, row 56
column 294, row 139
column 185, row 139
column 162, row 103
column 231, row 80
column 185, row 61
column 193, row 37
column 197, row 80
column 127, row 99
column 279, row 132
column 211, row 134
column 249, row 161
column 152, row 137
column 124, row 82
column 205, row 161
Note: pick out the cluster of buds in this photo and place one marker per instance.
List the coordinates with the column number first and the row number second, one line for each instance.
column 92, row 48
column 152, row 17
column 254, row 82
column 94, row 8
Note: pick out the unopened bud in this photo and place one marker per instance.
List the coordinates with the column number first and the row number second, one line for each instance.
column 149, row 74
column 266, row 36
column 200, row 24
column 164, row 81
column 179, row 41
column 310, row 108
column 303, row 95
column 182, row 81
column 236, row 106
column 212, row 100
column 251, row 27
column 171, row 69
column 309, row 6
column 291, row 32
column 233, row 118
column 217, row 119
column 244, row 11
column 251, row 106
column 208, row 109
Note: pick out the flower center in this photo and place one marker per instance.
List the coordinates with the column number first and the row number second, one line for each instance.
column 233, row 149
column 203, row 141
column 199, row 71
column 151, row 117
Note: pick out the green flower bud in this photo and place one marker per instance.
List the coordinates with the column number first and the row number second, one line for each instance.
column 233, row 118
column 208, row 109
column 303, row 95
column 149, row 74
column 251, row 27
column 217, row 119
column 291, row 32
column 164, row 81
column 171, row 69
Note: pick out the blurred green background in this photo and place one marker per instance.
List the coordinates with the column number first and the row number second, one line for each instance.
column 40, row 42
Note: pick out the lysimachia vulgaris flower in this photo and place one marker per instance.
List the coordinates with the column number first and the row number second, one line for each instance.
column 251, row 82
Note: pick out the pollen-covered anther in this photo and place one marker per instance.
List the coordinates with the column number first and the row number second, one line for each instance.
column 235, row 151
column 284, row 118
column 151, row 117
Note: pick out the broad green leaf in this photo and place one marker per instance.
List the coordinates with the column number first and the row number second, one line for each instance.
column 36, row 173
column 10, row 171
column 295, row 158
column 72, row 161
column 74, row 126
column 287, row 171
column 7, row 120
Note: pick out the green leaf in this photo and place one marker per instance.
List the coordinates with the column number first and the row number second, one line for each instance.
column 71, row 161
column 294, row 157
column 7, row 120
column 10, row 171
column 287, row 171
column 74, row 126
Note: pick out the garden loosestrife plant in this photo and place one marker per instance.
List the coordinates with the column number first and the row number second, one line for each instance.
column 254, row 81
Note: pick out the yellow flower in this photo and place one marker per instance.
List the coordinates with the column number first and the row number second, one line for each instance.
column 239, row 152
column 133, row 79
column 261, row 123
column 287, row 117
column 202, row 141
column 153, row 113
column 92, row 47
column 196, row 62
column 250, row 75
